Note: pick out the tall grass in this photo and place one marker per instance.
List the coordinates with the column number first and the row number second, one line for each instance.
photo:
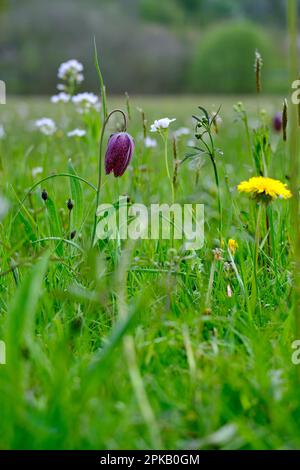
column 294, row 162
column 143, row 345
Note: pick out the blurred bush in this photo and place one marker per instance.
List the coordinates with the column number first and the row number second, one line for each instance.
column 166, row 11
column 224, row 60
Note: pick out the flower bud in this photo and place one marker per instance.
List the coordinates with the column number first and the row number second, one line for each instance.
column 70, row 204
column 284, row 120
column 258, row 66
column 277, row 122
column 119, row 152
column 44, row 195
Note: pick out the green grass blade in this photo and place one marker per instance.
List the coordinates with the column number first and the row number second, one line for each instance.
column 102, row 86
column 21, row 313
column 77, row 198
column 55, row 224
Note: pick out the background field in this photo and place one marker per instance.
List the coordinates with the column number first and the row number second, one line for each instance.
column 91, row 367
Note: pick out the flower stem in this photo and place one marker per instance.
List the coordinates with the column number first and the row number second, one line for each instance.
column 165, row 138
column 254, row 291
column 272, row 236
column 100, row 164
column 219, row 194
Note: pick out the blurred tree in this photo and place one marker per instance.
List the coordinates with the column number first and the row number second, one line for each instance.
column 166, row 11
column 206, row 11
column 219, row 9
column 224, row 59
column 265, row 11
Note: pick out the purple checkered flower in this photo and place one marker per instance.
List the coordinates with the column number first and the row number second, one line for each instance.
column 119, row 152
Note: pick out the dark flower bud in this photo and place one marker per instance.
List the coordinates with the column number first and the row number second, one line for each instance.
column 70, row 204
column 284, row 120
column 277, row 122
column 119, row 152
column 73, row 234
column 44, row 195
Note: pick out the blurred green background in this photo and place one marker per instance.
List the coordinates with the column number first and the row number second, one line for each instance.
column 146, row 46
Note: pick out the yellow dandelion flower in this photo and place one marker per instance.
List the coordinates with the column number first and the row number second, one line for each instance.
column 265, row 189
column 232, row 245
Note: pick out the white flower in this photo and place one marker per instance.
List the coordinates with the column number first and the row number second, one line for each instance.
column 37, row 171
column 191, row 143
column 2, row 132
column 46, row 125
column 61, row 97
column 150, row 143
column 86, row 101
column 160, row 124
column 71, row 71
column 182, row 131
column 76, row 133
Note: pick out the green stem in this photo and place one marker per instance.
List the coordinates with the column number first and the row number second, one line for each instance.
column 272, row 235
column 210, row 284
column 248, row 138
column 165, row 138
column 219, row 194
column 102, row 86
column 100, row 164
column 254, row 291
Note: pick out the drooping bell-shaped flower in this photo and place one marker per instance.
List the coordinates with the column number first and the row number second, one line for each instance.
column 277, row 122
column 119, row 152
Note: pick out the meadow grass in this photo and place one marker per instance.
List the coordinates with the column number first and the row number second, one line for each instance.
column 143, row 345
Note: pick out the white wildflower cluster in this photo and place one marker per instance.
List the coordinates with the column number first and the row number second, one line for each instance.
column 86, row 101
column 161, row 124
column 46, row 126
column 77, row 133
column 71, row 73
column 61, row 97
